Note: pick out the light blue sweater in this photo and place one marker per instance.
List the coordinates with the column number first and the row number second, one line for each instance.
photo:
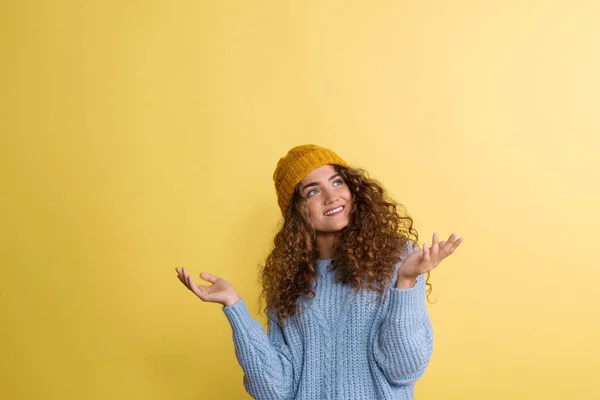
column 343, row 346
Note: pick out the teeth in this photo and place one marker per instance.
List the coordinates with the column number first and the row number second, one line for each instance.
column 334, row 211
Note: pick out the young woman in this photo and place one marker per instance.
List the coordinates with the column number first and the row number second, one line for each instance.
column 344, row 285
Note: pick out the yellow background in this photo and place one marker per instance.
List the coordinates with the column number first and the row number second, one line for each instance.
column 137, row 136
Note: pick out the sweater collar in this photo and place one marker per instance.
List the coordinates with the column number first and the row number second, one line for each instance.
column 322, row 265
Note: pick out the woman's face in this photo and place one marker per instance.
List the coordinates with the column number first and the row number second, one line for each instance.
column 328, row 199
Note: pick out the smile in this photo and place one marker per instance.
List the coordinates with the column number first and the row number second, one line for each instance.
column 335, row 211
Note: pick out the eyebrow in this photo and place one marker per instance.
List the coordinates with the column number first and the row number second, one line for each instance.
column 316, row 183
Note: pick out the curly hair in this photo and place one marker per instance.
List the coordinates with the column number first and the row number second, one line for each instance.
column 365, row 251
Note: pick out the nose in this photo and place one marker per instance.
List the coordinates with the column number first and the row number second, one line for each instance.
column 329, row 196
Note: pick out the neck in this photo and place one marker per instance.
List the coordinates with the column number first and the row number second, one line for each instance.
column 325, row 241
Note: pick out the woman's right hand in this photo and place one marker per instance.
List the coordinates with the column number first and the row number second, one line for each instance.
column 220, row 291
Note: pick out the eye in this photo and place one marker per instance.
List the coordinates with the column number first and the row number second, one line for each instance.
column 335, row 183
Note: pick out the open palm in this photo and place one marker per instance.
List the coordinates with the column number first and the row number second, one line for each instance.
column 220, row 291
column 428, row 258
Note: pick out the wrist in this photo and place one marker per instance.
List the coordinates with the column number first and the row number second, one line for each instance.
column 232, row 301
column 405, row 283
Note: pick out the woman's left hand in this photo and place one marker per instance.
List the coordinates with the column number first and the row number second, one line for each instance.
column 425, row 260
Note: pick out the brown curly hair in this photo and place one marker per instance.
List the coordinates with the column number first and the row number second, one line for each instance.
column 366, row 251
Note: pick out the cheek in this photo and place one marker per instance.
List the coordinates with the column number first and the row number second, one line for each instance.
column 312, row 211
column 350, row 206
column 348, row 197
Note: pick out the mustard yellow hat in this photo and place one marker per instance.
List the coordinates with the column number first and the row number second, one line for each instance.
column 297, row 163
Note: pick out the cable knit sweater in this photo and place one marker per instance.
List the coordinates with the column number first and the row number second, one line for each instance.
column 344, row 345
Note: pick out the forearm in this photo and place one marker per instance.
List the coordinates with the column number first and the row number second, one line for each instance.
column 405, row 340
column 268, row 372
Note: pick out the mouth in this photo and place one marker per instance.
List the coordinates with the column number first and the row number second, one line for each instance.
column 334, row 211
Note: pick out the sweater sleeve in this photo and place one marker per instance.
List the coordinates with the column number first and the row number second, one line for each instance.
column 265, row 358
column 405, row 341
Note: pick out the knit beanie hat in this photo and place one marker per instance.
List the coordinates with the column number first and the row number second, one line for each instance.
column 299, row 162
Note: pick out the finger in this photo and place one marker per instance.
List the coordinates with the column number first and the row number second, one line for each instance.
column 178, row 270
column 190, row 283
column 425, row 252
column 186, row 277
column 434, row 246
column 180, row 275
column 449, row 243
column 196, row 289
column 454, row 246
column 452, row 238
column 200, row 291
column 209, row 277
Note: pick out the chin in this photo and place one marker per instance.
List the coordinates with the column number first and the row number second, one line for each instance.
column 333, row 227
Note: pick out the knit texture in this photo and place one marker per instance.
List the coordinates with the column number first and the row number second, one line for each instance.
column 297, row 163
column 344, row 346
